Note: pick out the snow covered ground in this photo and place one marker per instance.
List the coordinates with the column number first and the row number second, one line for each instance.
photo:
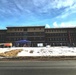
column 43, row 51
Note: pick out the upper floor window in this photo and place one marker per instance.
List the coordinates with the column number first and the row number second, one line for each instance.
column 40, row 28
column 34, row 28
column 25, row 29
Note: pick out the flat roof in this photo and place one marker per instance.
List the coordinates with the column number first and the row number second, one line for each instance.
column 24, row 26
column 61, row 28
column 3, row 29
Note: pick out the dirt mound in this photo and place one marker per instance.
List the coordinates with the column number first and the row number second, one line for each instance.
column 11, row 53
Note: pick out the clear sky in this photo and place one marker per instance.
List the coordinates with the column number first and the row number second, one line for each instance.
column 52, row 13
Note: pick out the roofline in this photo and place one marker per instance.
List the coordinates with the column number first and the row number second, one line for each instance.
column 23, row 26
column 3, row 29
column 62, row 28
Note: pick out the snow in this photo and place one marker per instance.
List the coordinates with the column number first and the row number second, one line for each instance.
column 2, row 50
column 43, row 51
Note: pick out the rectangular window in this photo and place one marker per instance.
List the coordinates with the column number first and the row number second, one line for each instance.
column 25, row 29
column 34, row 28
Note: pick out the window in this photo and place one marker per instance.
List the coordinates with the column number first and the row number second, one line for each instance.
column 40, row 28
column 46, row 30
column 34, row 28
column 25, row 29
column 18, row 29
column 21, row 29
column 34, row 33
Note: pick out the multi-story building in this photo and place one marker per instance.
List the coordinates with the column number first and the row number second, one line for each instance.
column 16, row 33
column 3, row 36
column 60, row 36
column 35, row 34
column 40, row 34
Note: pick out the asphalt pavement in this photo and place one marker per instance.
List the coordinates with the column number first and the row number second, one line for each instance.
column 66, row 67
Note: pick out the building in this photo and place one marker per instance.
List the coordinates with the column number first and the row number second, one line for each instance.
column 40, row 34
column 36, row 34
column 3, row 36
column 60, row 36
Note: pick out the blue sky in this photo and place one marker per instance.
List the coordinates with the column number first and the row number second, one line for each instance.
column 51, row 13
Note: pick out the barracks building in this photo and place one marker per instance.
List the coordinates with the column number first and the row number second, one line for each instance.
column 40, row 34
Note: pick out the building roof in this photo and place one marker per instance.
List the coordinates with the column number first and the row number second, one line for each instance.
column 62, row 28
column 3, row 29
column 24, row 26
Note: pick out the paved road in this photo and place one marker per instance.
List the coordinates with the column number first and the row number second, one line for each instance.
column 38, row 67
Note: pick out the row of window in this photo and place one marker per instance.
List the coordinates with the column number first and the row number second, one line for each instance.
column 15, row 39
column 56, row 39
column 35, row 33
column 18, row 29
column 73, row 34
column 2, row 36
column 36, row 28
column 54, row 30
column 73, row 39
column 37, row 38
column 29, row 34
column 42, row 38
column 59, row 39
column 16, row 34
column 58, row 34
column 23, row 29
column 40, row 33
column 2, row 41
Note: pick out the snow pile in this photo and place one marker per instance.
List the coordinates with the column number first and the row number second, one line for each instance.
column 48, row 51
column 2, row 50
column 43, row 51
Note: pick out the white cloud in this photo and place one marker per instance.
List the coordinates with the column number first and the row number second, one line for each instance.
column 47, row 26
column 55, row 24
column 68, row 24
column 71, row 7
column 64, row 24
column 63, row 3
column 47, row 6
column 44, row 7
